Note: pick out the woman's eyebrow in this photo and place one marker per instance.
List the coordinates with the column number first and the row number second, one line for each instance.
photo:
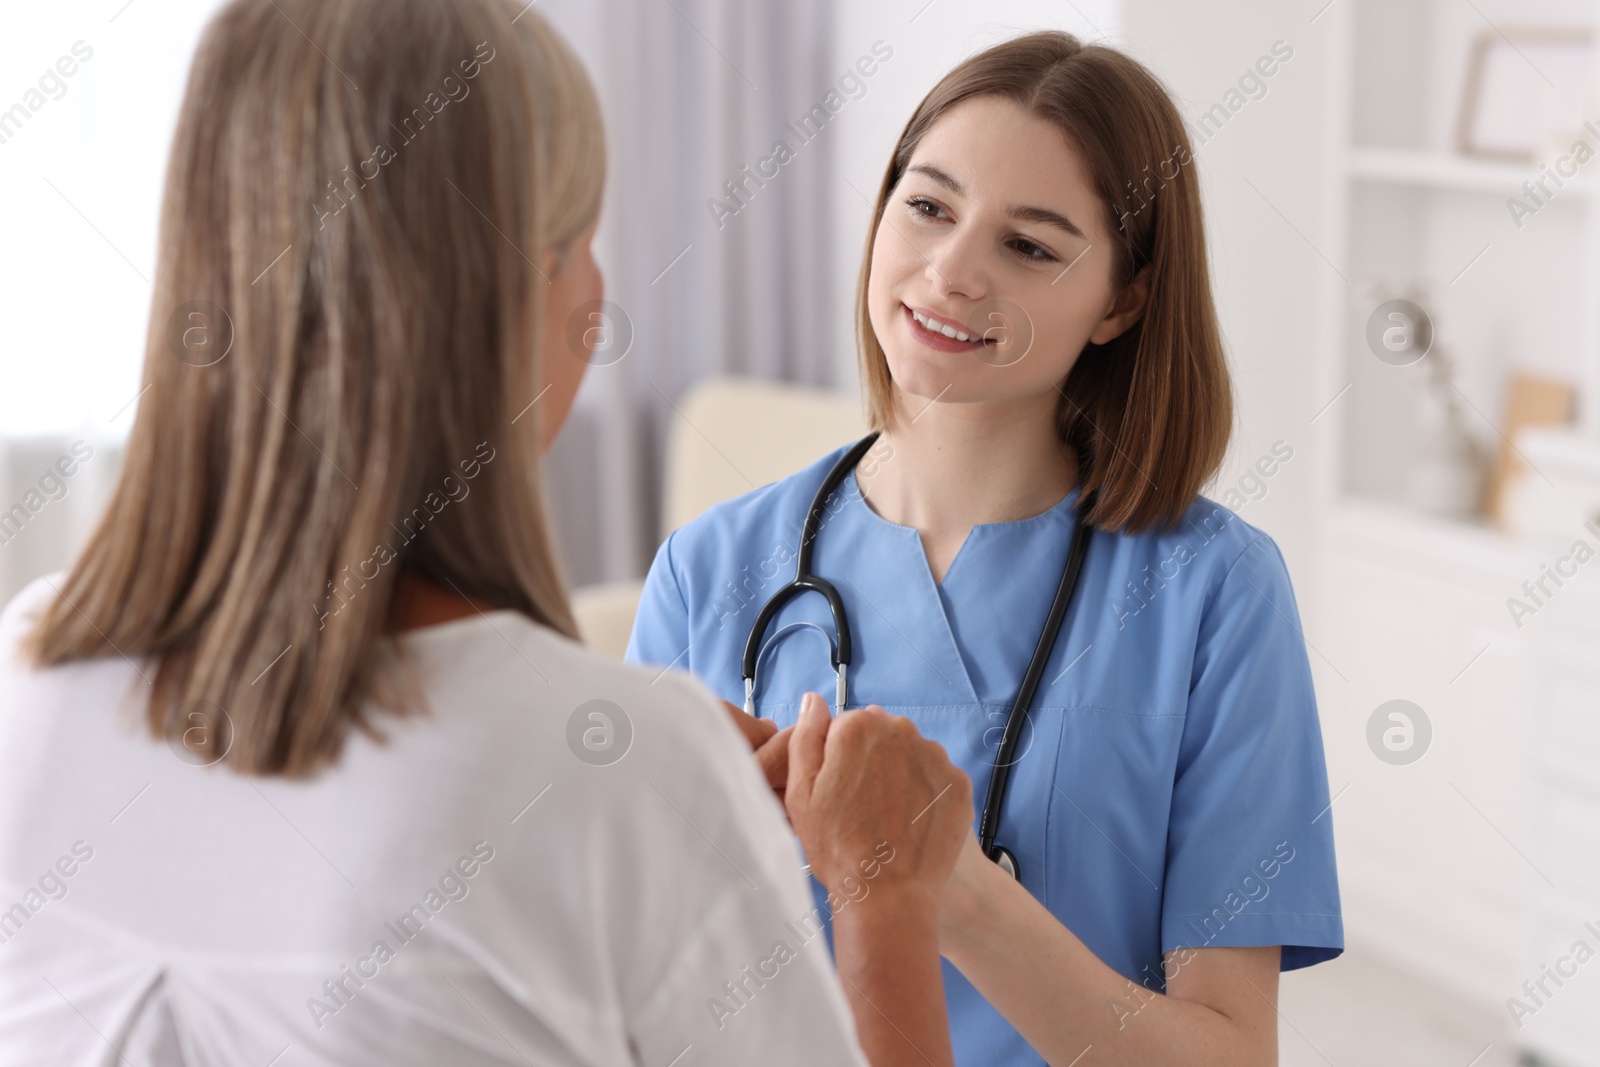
column 1046, row 217
column 1041, row 215
column 939, row 176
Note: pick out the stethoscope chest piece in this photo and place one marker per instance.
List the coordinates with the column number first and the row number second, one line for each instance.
column 1005, row 861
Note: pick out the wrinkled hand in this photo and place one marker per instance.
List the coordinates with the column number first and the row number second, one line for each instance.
column 865, row 778
column 770, row 744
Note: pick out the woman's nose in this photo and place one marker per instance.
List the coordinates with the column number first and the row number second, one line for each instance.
column 955, row 264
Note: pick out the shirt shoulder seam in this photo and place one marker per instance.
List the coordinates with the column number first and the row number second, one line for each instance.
column 672, row 570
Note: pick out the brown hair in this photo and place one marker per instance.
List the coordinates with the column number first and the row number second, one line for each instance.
column 374, row 309
column 1148, row 414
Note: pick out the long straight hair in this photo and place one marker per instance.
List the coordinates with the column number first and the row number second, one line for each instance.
column 342, row 351
column 1149, row 413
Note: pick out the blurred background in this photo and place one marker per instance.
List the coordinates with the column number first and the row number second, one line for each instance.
column 1405, row 233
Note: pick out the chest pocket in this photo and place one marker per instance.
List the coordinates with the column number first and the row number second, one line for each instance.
column 1106, row 828
column 1034, row 766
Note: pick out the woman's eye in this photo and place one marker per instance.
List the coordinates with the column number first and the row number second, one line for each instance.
column 1030, row 251
column 923, row 208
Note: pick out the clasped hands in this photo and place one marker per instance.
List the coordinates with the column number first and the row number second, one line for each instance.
column 850, row 782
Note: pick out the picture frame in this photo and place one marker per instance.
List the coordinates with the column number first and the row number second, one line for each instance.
column 1526, row 90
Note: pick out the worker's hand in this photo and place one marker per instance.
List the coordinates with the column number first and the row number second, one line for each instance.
column 866, row 791
column 770, row 745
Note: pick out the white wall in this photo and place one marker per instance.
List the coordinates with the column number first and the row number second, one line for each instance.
column 81, row 181
column 1263, row 175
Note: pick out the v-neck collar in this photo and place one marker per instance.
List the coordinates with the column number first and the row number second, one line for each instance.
column 929, row 617
column 858, row 499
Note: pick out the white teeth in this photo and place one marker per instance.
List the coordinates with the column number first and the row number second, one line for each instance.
column 936, row 327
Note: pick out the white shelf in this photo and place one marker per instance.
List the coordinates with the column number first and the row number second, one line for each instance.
column 1442, row 170
column 1415, row 600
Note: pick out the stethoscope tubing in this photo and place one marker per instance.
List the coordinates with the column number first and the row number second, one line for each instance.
column 805, row 581
column 1000, row 773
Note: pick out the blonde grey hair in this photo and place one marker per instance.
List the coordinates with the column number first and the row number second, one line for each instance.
column 345, row 323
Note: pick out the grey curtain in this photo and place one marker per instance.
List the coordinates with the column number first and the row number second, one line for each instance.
column 713, row 278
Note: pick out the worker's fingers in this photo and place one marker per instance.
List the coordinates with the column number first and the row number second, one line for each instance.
column 773, row 758
column 806, row 747
column 756, row 731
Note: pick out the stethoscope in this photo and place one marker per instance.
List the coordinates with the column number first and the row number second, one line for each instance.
column 839, row 642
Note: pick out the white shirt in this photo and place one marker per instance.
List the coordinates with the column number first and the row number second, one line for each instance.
column 468, row 891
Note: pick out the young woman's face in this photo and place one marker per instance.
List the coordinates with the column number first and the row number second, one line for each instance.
column 996, row 231
column 575, row 286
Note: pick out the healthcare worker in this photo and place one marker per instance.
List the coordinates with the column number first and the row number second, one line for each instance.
column 1039, row 350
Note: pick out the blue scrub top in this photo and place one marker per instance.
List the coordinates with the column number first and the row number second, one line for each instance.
column 1171, row 790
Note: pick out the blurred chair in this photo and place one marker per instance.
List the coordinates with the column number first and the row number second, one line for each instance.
column 731, row 435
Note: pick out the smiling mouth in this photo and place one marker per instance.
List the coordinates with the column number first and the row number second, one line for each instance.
column 942, row 335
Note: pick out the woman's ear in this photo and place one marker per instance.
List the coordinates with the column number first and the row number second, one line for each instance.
column 1125, row 310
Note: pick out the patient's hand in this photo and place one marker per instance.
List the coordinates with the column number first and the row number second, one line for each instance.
column 864, row 789
column 770, row 744
column 867, row 780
